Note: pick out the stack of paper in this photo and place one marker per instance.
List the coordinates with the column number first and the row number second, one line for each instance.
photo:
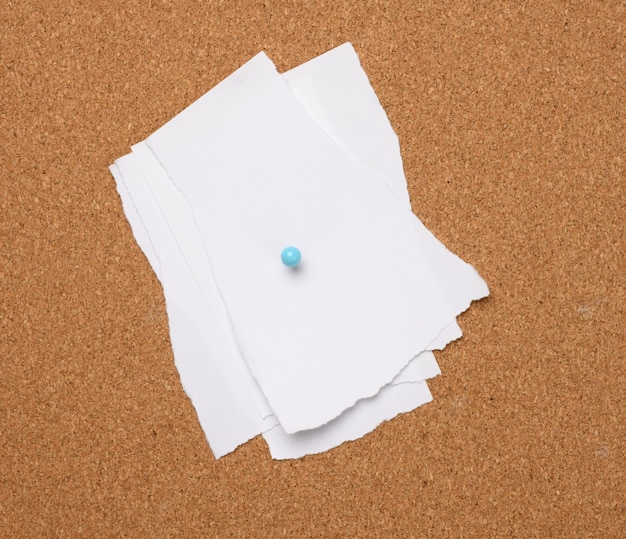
column 311, row 356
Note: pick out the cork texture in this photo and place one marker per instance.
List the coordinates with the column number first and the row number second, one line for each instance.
column 511, row 123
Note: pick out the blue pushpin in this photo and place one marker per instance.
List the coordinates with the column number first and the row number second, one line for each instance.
column 291, row 256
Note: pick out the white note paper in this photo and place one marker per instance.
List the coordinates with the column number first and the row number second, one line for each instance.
column 258, row 159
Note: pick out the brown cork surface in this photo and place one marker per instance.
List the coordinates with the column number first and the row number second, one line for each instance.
column 511, row 121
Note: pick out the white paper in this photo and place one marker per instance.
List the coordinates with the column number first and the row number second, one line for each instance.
column 352, row 424
column 337, row 95
column 370, row 148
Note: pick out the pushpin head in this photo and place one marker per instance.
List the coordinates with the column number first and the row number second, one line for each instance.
column 291, row 256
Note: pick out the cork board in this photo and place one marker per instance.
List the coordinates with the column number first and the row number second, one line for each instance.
column 511, row 122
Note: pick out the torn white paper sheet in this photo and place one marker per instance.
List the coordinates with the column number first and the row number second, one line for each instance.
column 336, row 94
column 218, row 440
column 352, row 424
